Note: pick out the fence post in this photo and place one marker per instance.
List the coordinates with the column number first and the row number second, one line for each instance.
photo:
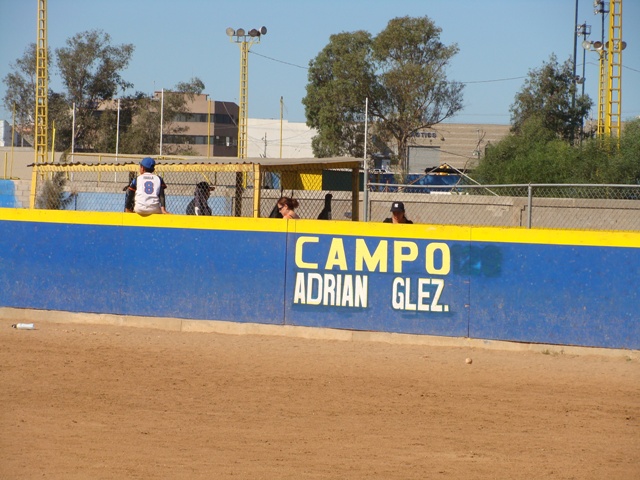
column 257, row 190
column 355, row 194
column 529, row 204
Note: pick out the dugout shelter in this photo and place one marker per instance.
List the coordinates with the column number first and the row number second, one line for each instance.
column 240, row 187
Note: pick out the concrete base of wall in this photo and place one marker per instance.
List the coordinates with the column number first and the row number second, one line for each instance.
column 17, row 315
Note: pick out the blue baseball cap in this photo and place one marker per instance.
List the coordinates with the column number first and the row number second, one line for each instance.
column 148, row 163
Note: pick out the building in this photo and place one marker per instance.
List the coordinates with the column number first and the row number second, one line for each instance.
column 5, row 135
column 267, row 138
column 212, row 127
column 271, row 138
column 458, row 145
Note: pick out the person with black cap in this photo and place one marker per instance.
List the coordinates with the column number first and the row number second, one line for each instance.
column 145, row 194
column 398, row 216
column 199, row 205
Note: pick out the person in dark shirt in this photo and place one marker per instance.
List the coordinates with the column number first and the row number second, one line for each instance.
column 199, row 205
column 397, row 212
column 325, row 214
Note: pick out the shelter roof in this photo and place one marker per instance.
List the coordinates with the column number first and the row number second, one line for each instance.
column 268, row 163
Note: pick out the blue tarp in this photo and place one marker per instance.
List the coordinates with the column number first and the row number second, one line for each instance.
column 391, row 184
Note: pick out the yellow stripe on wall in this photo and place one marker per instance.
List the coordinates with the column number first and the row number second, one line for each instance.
column 371, row 229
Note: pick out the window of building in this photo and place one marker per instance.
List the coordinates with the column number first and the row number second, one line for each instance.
column 221, row 118
column 200, row 140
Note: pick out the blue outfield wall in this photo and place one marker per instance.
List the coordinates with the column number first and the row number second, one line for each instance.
column 64, row 261
column 8, row 197
column 538, row 286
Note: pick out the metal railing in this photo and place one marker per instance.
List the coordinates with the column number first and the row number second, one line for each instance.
column 562, row 206
column 100, row 187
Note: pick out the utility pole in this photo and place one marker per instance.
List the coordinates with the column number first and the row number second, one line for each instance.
column 265, row 145
column 575, row 52
column 281, row 107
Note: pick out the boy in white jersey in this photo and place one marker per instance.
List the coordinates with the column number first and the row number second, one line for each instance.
column 145, row 195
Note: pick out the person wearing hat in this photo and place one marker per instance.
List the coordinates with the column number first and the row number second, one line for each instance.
column 397, row 212
column 145, row 194
column 199, row 205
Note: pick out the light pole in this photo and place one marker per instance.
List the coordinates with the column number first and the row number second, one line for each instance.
column 583, row 30
column 575, row 45
column 609, row 88
column 245, row 40
column 598, row 47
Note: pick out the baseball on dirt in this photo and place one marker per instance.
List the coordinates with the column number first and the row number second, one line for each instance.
column 468, row 361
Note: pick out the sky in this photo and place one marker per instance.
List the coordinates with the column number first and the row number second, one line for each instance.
column 500, row 42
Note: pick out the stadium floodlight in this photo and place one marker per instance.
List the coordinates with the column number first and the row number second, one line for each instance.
column 245, row 39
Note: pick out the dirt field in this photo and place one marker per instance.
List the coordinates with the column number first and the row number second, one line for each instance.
column 104, row 402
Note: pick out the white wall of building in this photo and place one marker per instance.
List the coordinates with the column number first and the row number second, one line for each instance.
column 5, row 134
column 264, row 139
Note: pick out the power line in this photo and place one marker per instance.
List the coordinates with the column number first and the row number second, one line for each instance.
column 279, row 61
column 623, row 66
column 496, row 80
column 464, row 83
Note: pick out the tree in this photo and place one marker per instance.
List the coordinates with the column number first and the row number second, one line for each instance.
column 549, row 93
column 534, row 155
column 340, row 78
column 90, row 69
column 53, row 195
column 545, row 121
column 537, row 155
column 612, row 161
column 21, row 89
column 140, row 132
column 629, row 153
column 402, row 73
column 195, row 86
column 139, row 125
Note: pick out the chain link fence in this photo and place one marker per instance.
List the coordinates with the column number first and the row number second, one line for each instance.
column 560, row 206
column 326, row 189
column 100, row 185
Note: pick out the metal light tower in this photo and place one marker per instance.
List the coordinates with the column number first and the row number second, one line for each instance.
column 600, row 9
column 42, row 87
column 610, row 82
column 614, row 46
column 245, row 40
column 41, row 124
